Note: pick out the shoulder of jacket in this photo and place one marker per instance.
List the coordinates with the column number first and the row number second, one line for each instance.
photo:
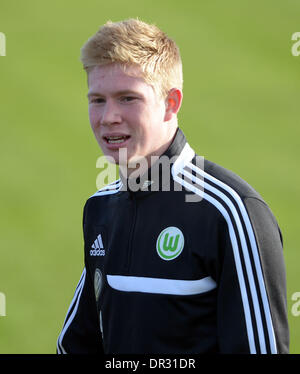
column 196, row 173
column 226, row 180
column 109, row 189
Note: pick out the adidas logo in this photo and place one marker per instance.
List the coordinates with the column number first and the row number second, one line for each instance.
column 97, row 247
column 146, row 184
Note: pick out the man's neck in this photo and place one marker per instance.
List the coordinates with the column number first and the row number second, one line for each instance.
column 139, row 166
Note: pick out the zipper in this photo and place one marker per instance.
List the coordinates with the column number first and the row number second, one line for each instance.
column 131, row 233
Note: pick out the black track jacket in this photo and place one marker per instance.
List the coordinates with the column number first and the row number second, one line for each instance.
column 195, row 269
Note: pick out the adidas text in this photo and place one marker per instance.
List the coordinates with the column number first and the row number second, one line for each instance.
column 97, row 252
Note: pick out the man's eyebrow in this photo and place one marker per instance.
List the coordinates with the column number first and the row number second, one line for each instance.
column 92, row 93
column 117, row 93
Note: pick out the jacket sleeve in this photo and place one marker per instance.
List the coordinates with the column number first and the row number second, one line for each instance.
column 252, row 310
column 81, row 329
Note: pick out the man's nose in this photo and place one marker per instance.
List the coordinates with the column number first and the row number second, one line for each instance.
column 110, row 114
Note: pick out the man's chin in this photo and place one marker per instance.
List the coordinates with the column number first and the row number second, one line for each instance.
column 118, row 157
column 126, row 160
column 123, row 158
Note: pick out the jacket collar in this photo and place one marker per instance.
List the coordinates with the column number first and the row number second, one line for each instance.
column 159, row 176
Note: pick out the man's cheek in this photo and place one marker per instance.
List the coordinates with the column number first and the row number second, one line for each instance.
column 91, row 116
column 93, row 119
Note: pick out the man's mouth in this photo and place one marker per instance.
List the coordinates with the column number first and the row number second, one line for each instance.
column 116, row 139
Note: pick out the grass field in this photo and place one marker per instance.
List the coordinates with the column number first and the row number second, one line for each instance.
column 240, row 109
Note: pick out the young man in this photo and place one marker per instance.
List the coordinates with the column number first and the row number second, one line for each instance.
column 164, row 273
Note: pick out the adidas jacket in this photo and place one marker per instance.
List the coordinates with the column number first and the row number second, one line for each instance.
column 197, row 269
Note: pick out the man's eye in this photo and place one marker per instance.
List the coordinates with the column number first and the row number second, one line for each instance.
column 127, row 99
column 97, row 100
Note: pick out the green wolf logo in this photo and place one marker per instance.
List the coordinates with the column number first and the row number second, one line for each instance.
column 170, row 243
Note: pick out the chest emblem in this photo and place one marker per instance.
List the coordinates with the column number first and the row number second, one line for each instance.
column 170, row 243
column 97, row 247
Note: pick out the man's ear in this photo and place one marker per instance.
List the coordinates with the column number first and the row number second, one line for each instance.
column 173, row 103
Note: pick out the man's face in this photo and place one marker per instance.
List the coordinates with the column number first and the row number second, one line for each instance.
column 125, row 112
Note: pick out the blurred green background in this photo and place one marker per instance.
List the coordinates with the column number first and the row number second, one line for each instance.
column 240, row 109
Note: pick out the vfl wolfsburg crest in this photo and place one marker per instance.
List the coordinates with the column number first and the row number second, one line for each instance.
column 98, row 283
column 170, row 243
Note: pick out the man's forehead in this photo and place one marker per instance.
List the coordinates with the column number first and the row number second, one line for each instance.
column 126, row 72
column 114, row 77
